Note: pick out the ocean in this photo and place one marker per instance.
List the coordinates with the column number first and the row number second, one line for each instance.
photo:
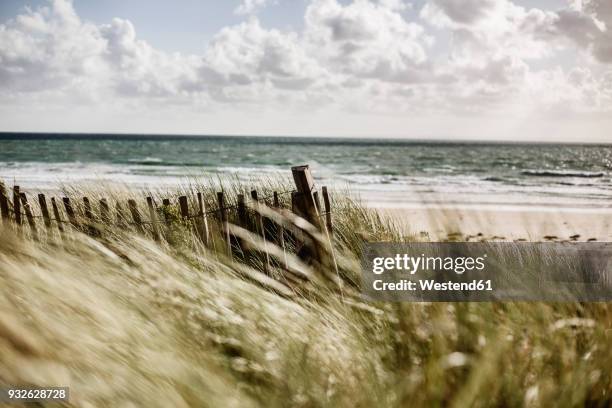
column 384, row 173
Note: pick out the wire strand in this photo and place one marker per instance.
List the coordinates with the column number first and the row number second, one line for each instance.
column 207, row 214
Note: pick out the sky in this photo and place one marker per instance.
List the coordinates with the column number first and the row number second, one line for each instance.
column 538, row 70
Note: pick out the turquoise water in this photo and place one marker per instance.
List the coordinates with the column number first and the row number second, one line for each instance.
column 385, row 172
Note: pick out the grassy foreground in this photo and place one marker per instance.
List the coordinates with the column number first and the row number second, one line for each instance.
column 125, row 321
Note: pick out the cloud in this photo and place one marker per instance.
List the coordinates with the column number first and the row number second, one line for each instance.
column 366, row 40
column 252, row 6
column 254, row 54
column 493, row 28
column 495, row 42
column 52, row 49
column 530, row 32
column 589, row 24
column 48, row 48
column 459, row 12
column 377, row 57
column 139, row 69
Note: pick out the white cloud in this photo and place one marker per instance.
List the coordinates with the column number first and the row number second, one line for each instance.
column 366, row 40
column 251, row 6
column 458, row 13
column 48, row 48
column 493, row 28
column 247, row 53
column 589, row 24
column 363, row 57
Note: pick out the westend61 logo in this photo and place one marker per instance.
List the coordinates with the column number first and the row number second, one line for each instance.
column 412, row 264
column 487, row 271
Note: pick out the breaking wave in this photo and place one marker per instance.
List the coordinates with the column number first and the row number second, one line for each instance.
column 563, row 173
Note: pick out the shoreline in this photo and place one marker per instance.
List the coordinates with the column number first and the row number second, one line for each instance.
column 485, row 206
column 435, row 218
column 554, row 224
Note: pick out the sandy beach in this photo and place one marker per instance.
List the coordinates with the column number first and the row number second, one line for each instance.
column 539, row 224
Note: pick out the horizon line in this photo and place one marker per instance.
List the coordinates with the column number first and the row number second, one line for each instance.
column 118, row 135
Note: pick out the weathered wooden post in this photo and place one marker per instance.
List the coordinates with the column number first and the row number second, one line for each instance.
column 184, row 206
column 56, row 214
column 328, row 217
column 258, row 220
column 166, row 206
column 310, row 207
column 17, row 205
column 243, row 219
column 261, row 229
column 223, row 220
column 133, row 207
column 305, row 185
column 87, row 208
column 315, row 195
column 4, row 207
column 280, row 232
column 42, row 201
column 120, row 216
column 204, row 234
column 91, row 229
column 28, row 212
column 153, row 218
column 70, row 212
column 243, row 222
column 296, row 208
column 104, row 211
column 294, row 202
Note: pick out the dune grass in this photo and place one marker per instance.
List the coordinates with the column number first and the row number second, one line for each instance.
column 127, row 321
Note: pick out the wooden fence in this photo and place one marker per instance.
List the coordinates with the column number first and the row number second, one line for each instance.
column 257, row 216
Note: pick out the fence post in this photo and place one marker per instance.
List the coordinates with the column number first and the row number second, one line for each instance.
column 153, row 218
column 104, row 211
column 91, row 229
column 28, row 211
column 280, row 231
column 17, row 205
column 296, row 208
column 57, row 216
column 261, row 228
column 223, row 219
column 258, row 222
column 4, row 208
column 242, row 212
column 135, row 215
column 305, row 185
column 42, row 201
column 315, row 195
column 87, row 208
column 328, row 217
column 184, row 206
column 70, row 212
column 166, row 205
column 296, row 203
column 120, row 215
column 204, row 234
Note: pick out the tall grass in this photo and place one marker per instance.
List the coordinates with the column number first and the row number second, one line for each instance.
column 127, row 321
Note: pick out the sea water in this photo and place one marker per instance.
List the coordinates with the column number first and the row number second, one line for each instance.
column 384, row 173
